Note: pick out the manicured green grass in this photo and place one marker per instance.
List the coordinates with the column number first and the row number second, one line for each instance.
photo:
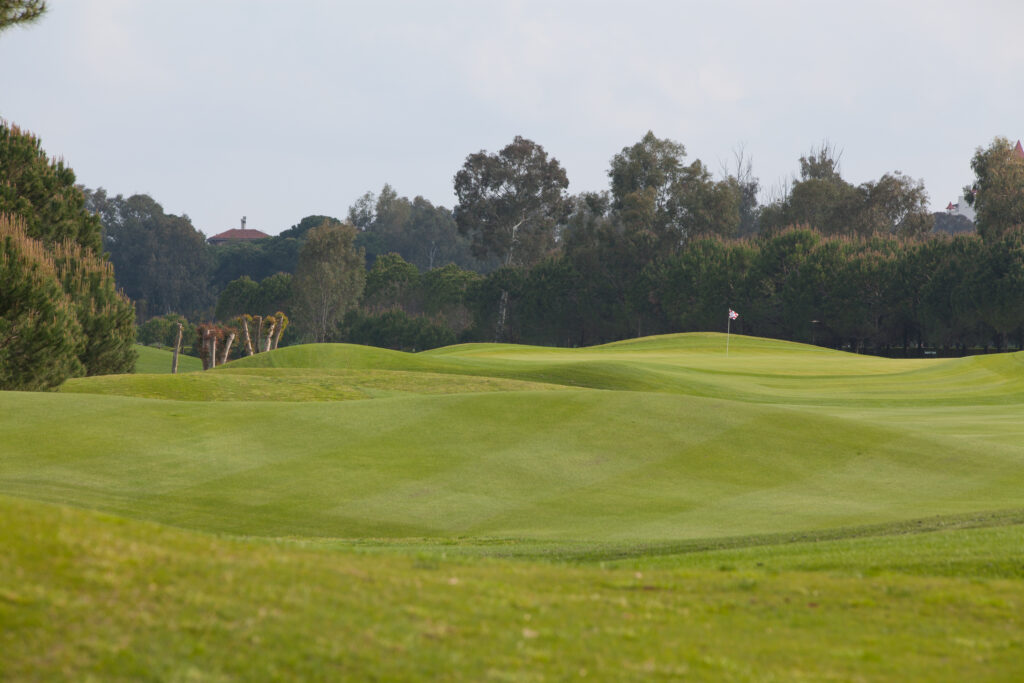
column 655, row 506
column 303, row 384
column 152, row 361
column 595, row 465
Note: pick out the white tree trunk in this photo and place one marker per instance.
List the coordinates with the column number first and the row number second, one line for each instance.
column 280, row 331
column 227, row 349
column 248, row 339
column 499, row 331
column 177, row 350
column 270, row 336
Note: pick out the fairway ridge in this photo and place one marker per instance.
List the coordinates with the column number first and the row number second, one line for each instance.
column 623, row 509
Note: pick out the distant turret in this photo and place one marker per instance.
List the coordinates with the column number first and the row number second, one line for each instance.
column 242, row 234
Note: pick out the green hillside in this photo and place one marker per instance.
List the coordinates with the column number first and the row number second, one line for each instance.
column 671, row 476
column 658, row 439
column 152, row 360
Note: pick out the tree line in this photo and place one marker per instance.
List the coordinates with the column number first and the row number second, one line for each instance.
column 667, row 248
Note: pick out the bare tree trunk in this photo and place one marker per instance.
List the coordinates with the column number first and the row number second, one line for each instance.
column 513, row 242
column 248, row 339
column 227, row 349
column 277, row 337
column 270, row 335
column 213, row 351
column 177, row 350
column 499, row 331
column 204, row 347
column 259, row 331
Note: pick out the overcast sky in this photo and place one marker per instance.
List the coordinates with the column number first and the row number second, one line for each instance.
column 278, row 110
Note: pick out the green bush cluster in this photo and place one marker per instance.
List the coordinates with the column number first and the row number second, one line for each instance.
column 163, row 331
column 394, row 329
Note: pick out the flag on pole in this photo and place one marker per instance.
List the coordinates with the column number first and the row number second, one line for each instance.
column 728, row 324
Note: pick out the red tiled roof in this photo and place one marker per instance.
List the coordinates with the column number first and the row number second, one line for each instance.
column 240, row 234
column 1019, row 150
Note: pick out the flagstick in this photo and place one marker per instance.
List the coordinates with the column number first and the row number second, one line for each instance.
column 728, row 327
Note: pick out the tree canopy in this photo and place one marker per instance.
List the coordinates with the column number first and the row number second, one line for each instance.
column 997, row 193
column 41, row 339
column 657, row 193
column 510, row 202
column 421, row 233
column 13, row 12
column 329, row 279
column 822, row 199
column 160, row 260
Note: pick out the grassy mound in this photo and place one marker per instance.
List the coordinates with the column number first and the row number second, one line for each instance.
column 755, row 371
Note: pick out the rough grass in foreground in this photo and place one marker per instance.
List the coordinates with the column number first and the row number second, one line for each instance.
column 84, row 595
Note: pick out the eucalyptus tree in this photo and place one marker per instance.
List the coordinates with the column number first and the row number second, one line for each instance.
column 509, row 206
column 655, row 191
column 510, row 202
column 329, row 279
column 997, row 193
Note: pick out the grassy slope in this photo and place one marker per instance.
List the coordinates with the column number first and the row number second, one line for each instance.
column 577, row 464
column 86, row 596
column 727, row 497
column 151, row 361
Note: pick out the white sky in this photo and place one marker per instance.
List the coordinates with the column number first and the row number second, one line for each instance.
column 277, row 110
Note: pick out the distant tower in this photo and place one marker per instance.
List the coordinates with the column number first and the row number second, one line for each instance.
column 243, row 222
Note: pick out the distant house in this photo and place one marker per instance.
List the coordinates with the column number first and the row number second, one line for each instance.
column 242, row 234
column 961, row 208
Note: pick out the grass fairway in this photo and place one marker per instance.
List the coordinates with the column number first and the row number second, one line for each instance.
column 644, row 507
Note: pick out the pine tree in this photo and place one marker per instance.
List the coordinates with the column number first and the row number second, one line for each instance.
column 45, row 213
column 40, row 337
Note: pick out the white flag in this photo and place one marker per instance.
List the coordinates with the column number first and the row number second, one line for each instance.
column 733, row 314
